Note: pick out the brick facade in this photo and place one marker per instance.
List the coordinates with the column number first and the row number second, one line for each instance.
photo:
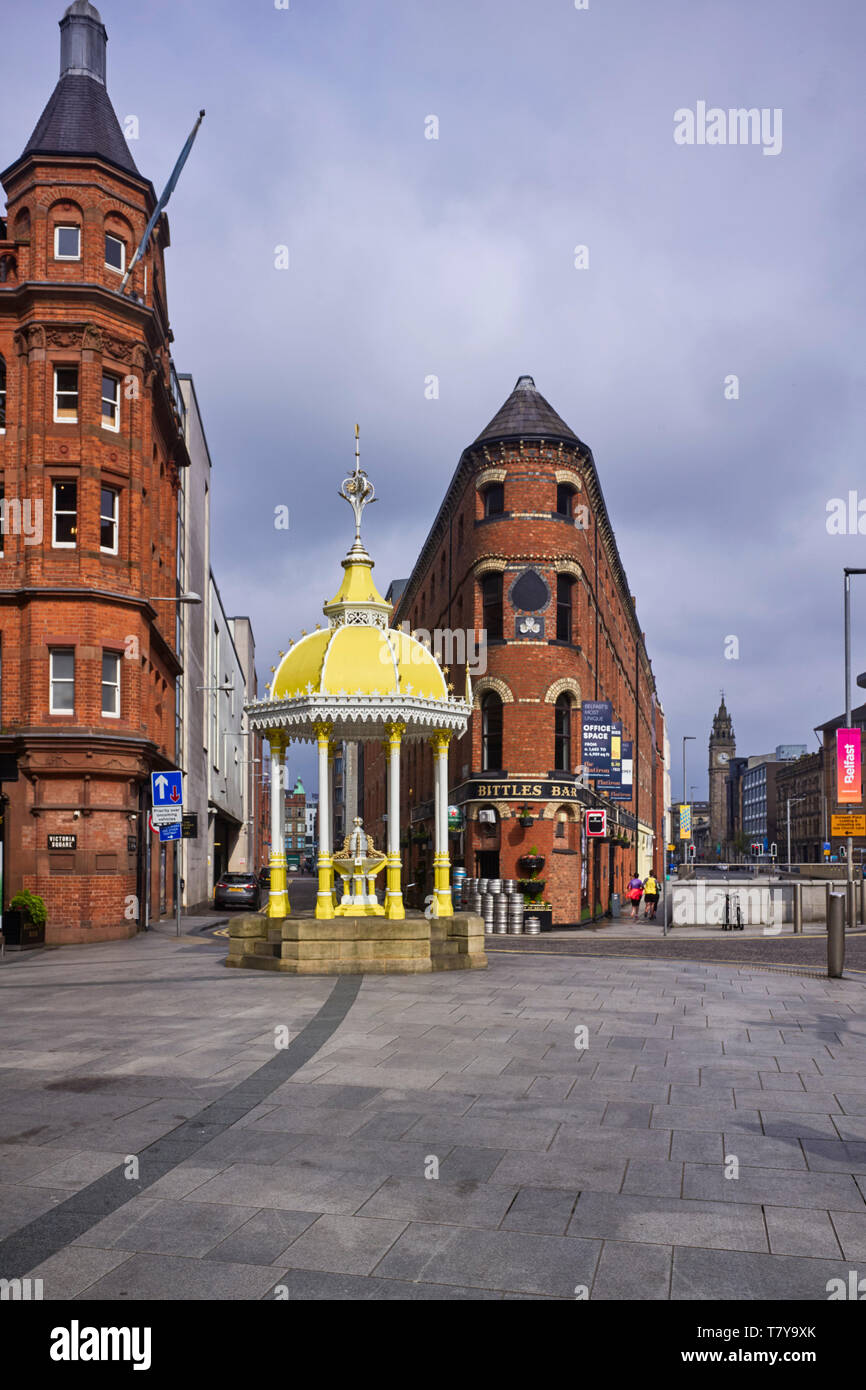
column 85, row 587
column 510, row 534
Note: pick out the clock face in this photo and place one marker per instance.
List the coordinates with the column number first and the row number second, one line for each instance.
column 723, row 757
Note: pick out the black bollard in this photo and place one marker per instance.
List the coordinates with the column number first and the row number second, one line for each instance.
column 836, row 936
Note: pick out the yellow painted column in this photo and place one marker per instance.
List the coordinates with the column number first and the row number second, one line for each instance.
column 441, row 858
column 278, row 897
column 325, row 894
column 393, row 869
column 332, row 753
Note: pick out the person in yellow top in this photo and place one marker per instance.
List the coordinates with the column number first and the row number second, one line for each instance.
column 651, row 896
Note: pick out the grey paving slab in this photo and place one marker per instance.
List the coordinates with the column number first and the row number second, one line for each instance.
column 173, row 1278
column 542, row 1210
column 614, row 1141
column 506, row 1260
column 793, row 1231
column 835, row 1156
column 467, row 1164
column 773, row 1187
column 594, row 1170
column 162, row 1226
column 791, row 1124
column 713, row 1275
column 697, row 1146
column 850, row 1228
column 465, row 1203
column 343, row 1244
column 483, row 1131
column 630, row 1271
column 653, row 1177
column 759, row 1151
column 73, row 1270
column 665, row 1221
column 718, row 1116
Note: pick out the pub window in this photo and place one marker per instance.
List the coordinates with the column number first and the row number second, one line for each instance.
column 111, row 684
column 67, row 243
column 562, row 734
column 64, row 521
column 560, row 828
column 491, row 732
column 564, row 495
column 108, row 507
column 494, row 499
column 564, row 585
column 62, row 660
column 110, row 401
column 2, row 395
column 115, row 252
column 66, row 395
column 491, row 605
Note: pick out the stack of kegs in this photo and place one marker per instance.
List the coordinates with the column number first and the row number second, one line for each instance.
column 515, row 913
column 458, row 878
column 532, row 926
column 487, row 901
column 482, row 885
column 471, row 896
column 500, row 913
column 509, row 885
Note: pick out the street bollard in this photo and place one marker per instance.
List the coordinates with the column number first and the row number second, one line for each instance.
column 862, row 899
column 828, row 888
column 850, row 904
column 798, row 909
column 836, row 936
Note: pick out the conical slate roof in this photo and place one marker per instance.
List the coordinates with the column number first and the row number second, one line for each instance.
column 526, row 415
column 79, row 118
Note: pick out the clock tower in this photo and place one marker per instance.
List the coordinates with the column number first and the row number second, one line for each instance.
column 722, row 748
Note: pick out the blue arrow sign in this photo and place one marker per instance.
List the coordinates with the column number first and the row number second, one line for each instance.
column 166, row 788
column 170, row 832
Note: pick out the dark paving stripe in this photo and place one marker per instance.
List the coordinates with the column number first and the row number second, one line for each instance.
column 55, row 1229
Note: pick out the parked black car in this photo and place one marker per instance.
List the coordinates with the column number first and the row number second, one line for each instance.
column 237, row 890
column 265, row 881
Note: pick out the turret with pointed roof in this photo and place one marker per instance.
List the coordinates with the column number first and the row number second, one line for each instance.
column 526, row 415
column 79, row 118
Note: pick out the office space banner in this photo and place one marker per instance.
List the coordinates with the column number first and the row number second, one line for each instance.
column 612, row 781
column 596, row 721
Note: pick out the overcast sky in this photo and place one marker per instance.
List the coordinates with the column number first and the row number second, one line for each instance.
column 455, row 257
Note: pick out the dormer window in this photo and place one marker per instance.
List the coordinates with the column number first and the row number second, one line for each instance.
column 67, row 243
column 115, row 253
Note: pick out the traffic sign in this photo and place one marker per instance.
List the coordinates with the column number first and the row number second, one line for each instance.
column 170, row 832
column 848, row 825
column 165, row 815
column 166, row 788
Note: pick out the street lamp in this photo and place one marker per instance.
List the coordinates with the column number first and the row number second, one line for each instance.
column 849, row 839
column 687, row 738
column 175, row 598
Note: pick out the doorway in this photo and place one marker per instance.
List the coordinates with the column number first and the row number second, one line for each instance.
column 487, row 861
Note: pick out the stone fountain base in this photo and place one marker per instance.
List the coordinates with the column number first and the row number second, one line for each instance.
column 307, row 945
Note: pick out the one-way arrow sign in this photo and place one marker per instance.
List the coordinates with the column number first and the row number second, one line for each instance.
column 166, row 789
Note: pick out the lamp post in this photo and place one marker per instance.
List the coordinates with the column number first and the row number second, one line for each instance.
column 849, row 840
column 183, row 599
column 687, row 738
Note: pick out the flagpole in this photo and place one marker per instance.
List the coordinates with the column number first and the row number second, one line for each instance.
column 166, row 194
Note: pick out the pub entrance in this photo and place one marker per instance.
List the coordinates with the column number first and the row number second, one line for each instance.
column 487, row 863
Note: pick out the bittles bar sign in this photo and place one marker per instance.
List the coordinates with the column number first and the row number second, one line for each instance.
column 849, row 791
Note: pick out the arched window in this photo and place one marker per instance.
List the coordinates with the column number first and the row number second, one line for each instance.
column 491, row 606
column 494, row 499
column 564, row 496
column 562, row 734
column 491, row 732
column 564, row 585
column 2, row 393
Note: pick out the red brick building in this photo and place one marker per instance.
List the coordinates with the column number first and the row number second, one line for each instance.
column 523, row 549
column 90, row 447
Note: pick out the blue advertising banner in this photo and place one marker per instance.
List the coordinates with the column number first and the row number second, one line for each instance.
column 596, row 720
column 612, row 781
column 626, row 789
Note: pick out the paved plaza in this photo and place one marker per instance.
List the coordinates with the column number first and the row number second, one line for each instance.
column 159, row 1139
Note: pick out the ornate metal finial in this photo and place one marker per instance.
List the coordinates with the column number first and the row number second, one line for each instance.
column 357, row 490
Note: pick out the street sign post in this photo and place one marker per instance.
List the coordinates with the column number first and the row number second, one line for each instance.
column 167, row 793
column 166, row 789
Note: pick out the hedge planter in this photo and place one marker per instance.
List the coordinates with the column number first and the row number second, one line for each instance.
column 531, row 888
column 20, row 932
column 533, row 863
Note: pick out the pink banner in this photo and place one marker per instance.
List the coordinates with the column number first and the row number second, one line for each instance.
column 848, row 781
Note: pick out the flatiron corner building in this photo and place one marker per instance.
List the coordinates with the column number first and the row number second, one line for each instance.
column 91, row 452
column 523, row 550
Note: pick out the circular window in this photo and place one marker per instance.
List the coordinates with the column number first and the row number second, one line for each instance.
column 529, row 592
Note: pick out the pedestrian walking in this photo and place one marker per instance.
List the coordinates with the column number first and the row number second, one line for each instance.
column 650, row 896
column 634, row 893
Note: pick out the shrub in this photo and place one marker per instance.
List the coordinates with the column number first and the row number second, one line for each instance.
column 32, row 904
